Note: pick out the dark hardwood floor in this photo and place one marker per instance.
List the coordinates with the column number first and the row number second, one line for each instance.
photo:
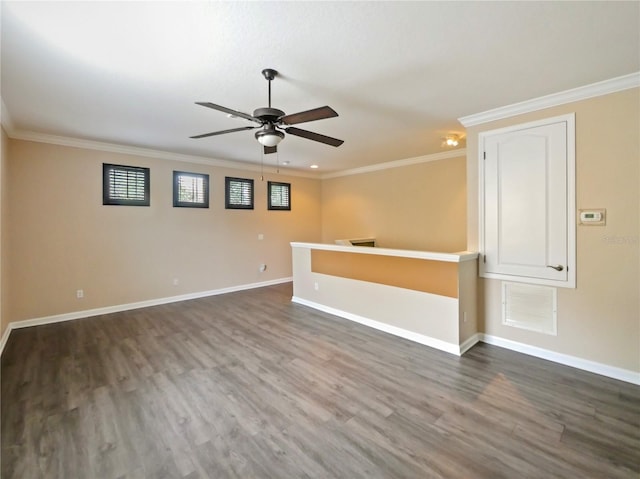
column 249, row 385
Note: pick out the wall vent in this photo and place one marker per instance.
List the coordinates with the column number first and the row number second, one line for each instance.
column 530, row 307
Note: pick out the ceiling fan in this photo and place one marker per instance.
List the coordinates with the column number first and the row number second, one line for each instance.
column 272, row 121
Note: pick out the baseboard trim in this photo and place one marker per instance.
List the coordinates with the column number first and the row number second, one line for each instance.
column 58, row 318
column 560, row 358
column 573, row 361
column 387, row 328
column 469, row 343
column 5, row 337
column 565, row 359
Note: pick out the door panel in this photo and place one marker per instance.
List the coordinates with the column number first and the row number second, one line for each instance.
column 526, row 202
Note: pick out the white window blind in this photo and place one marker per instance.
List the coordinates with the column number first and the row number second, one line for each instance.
column 279, row 196
column 125, row 185
column 238, row 193
column 190, row 190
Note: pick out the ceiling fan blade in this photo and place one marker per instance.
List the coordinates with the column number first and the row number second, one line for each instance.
column 224, row 131
column 309, row 135
column 309, row 115
column 228, row 110
column 270, row 149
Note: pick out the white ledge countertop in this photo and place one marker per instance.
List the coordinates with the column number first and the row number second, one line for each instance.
column 458, row 257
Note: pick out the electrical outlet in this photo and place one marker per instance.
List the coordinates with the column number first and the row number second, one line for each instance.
column 176, row 281
column 316, row 286
column 262, row 268
column 79, row 294
column 260, row 236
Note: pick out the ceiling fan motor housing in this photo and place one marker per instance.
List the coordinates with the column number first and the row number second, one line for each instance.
column 268, row 115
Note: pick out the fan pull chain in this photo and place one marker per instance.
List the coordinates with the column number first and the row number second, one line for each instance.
column 277, row 162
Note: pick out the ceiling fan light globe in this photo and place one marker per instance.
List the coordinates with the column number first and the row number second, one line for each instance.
column 269, row 137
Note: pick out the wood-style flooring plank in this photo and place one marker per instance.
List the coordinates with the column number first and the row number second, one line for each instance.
column 250, row 385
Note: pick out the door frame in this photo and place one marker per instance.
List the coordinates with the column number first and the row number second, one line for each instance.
column 570, row 282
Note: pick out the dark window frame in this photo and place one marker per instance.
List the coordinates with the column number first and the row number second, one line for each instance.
column 276, row 207
column 111, row 199
column 177, row 203
column 228, row 204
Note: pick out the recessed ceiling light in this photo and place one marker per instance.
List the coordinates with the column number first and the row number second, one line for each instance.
column 314, row 166
column 286, row 162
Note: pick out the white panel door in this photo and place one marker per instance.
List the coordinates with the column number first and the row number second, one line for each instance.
column 527, row 207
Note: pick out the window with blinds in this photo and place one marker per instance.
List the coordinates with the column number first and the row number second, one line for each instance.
column 190, row 190
column 125, row 185
column 279, row 195
column 238, row 193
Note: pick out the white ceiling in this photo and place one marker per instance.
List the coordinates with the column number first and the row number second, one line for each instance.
column 399, row 74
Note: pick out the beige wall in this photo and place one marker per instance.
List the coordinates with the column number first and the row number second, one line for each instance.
column 600, row 319
column 63, row 238
column 4, row 230
column 418, row 207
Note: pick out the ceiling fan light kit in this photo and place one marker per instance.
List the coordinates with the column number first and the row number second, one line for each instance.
column 269, row 136
column 272, row 121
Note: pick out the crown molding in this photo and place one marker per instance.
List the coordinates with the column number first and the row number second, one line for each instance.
column 581, row 93
column 166, row 155
column 398, row 163
column 113, row 148
column 138, row 151
column 605, row 87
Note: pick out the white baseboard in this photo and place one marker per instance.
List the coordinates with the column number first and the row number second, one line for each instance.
column 573, row 361
column 129, row 306
column 469, row 343
column 387, row 328
column 5, row 337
